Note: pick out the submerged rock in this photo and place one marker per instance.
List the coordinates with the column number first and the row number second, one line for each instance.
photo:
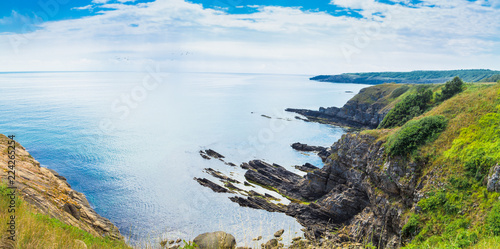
column 213, row 186
column 215, row 240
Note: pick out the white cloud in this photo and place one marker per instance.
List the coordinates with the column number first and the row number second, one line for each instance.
column 87, row 7
column 185, row 37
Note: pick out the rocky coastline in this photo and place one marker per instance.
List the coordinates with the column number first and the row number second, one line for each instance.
column 50, row 193
column 365, row 110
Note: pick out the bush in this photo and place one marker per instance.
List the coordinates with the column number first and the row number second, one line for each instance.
column 451, row 88
column 493, row 219
column 433, row 202
column 415, row 133
column 410, row 107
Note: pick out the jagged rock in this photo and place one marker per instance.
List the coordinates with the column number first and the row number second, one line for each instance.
column 258, row 203
column 305, row 147
column 279, row 233
column 213, row 186
column 273, row 176
column 307, row 167
column 357, row 112
column 323, row 152
column 72, row 209
column 494, row 179
column 218, row 174
column 215, row 240
column 271, row 244
column 213, row 154
column 39, row 186
column 178, row 241
column 257, row 239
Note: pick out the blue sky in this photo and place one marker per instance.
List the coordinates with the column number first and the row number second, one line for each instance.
column 284, row 36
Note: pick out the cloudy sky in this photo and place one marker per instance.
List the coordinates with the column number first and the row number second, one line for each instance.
column 249, row 36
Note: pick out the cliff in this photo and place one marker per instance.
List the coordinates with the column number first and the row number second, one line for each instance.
column 365, row 110
column 49, row 193
column 440, row 189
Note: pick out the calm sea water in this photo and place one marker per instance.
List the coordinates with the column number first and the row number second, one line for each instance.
column 130, row 141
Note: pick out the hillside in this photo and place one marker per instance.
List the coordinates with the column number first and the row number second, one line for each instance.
column 414, row 77
column 427, row 177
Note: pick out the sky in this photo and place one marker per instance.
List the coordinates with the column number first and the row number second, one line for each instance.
column 249, row 36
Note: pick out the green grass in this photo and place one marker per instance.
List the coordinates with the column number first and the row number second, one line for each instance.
column 461, row 213
column 35, row 230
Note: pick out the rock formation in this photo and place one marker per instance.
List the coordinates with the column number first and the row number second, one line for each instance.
column 51, row 194
column 366, row 110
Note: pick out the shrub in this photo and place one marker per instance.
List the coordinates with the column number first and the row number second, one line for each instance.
column 410, row 107
column 415, row 133
column 432, row 202
column 451, row 88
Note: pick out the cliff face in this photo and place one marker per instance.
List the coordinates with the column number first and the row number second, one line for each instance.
column 51, row 194
column 366, row 110
column 358, row 195
column 366, row 189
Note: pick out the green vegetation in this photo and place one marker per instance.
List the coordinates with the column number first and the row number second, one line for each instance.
column 477, row 147
column 420, row 77
column 493, row 219
column 415, row 133
column 451, row 88
column 494, row 78
column 411, row 106
column 459, row 212
column 34, row 230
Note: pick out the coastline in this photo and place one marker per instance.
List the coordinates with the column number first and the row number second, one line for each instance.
column 50, row 194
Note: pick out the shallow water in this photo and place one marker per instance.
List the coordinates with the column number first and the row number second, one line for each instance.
column 140, row 174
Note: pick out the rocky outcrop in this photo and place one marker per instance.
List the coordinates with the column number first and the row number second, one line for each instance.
column 359, row 192
column 494, row 179
column 322, row 152
column 366, row 110
column 50, row 194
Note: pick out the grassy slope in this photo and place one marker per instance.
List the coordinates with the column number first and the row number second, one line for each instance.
column 36, row 230
column 457, row 203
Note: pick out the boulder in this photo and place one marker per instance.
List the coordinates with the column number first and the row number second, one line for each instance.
column 271, row 244
column 215, row 240
column 494, row 179
column 279, row 233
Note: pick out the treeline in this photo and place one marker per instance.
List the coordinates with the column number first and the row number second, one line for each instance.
column 420, row 77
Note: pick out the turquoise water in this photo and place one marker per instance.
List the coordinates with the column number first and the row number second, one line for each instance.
column 130, row 141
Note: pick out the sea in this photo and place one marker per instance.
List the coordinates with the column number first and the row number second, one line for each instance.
column 130, row 142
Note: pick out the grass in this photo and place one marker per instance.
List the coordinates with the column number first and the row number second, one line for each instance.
column 461, row 213
column 35, row 230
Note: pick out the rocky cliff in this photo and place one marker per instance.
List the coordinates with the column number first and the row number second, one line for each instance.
column 366, row 110
column 51, row 194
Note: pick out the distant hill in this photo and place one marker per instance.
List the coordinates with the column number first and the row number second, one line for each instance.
column 420, row 77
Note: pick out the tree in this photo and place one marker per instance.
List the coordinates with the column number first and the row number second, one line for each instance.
column 451, row 88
